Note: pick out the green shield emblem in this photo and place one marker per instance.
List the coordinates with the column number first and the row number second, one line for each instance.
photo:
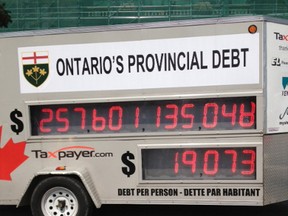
column 36, row 74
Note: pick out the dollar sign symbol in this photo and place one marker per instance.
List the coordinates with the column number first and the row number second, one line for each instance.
column 130, row 169
column 19, row 126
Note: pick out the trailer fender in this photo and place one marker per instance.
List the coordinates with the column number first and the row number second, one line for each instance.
column 81, row 173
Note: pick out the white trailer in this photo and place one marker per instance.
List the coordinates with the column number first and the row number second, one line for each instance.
column 186, row 112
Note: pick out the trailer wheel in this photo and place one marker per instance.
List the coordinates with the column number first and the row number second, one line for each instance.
column 61, row 196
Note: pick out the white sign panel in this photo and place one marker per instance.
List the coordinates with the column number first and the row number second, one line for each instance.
column 277, row 78
column 148, row 64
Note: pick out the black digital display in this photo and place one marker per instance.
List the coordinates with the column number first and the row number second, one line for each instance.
column 225, row 163
column 236, row 113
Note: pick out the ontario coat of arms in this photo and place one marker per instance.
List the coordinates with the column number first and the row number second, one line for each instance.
column 35, row 67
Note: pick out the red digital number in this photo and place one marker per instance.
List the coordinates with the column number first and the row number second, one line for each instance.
column 214, row 109
column 211, row 161
column 233, row 153
column 60, row 119
column 112, row 111
column 189, row 158
column 247, row 115
column 211, row 154
column 98, row 122
column 250, row 162
column 231, row 114
column 176, row 163
column 173, row 116
column 50, row 118
column 82, row 112
column 43, row 121
column 137, row 114
column 184, row 114
column 158, row 117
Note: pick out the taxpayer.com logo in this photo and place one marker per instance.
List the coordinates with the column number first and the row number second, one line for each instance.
column 72, row 152
column 281, row 36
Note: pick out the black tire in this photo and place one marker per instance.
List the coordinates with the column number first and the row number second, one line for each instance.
column 59, row 196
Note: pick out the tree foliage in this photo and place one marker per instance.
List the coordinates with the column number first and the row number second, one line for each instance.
column 5, row 17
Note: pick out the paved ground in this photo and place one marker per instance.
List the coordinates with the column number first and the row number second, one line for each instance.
column 280, row 209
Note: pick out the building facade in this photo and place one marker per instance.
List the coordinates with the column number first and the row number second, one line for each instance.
column 49, row 14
